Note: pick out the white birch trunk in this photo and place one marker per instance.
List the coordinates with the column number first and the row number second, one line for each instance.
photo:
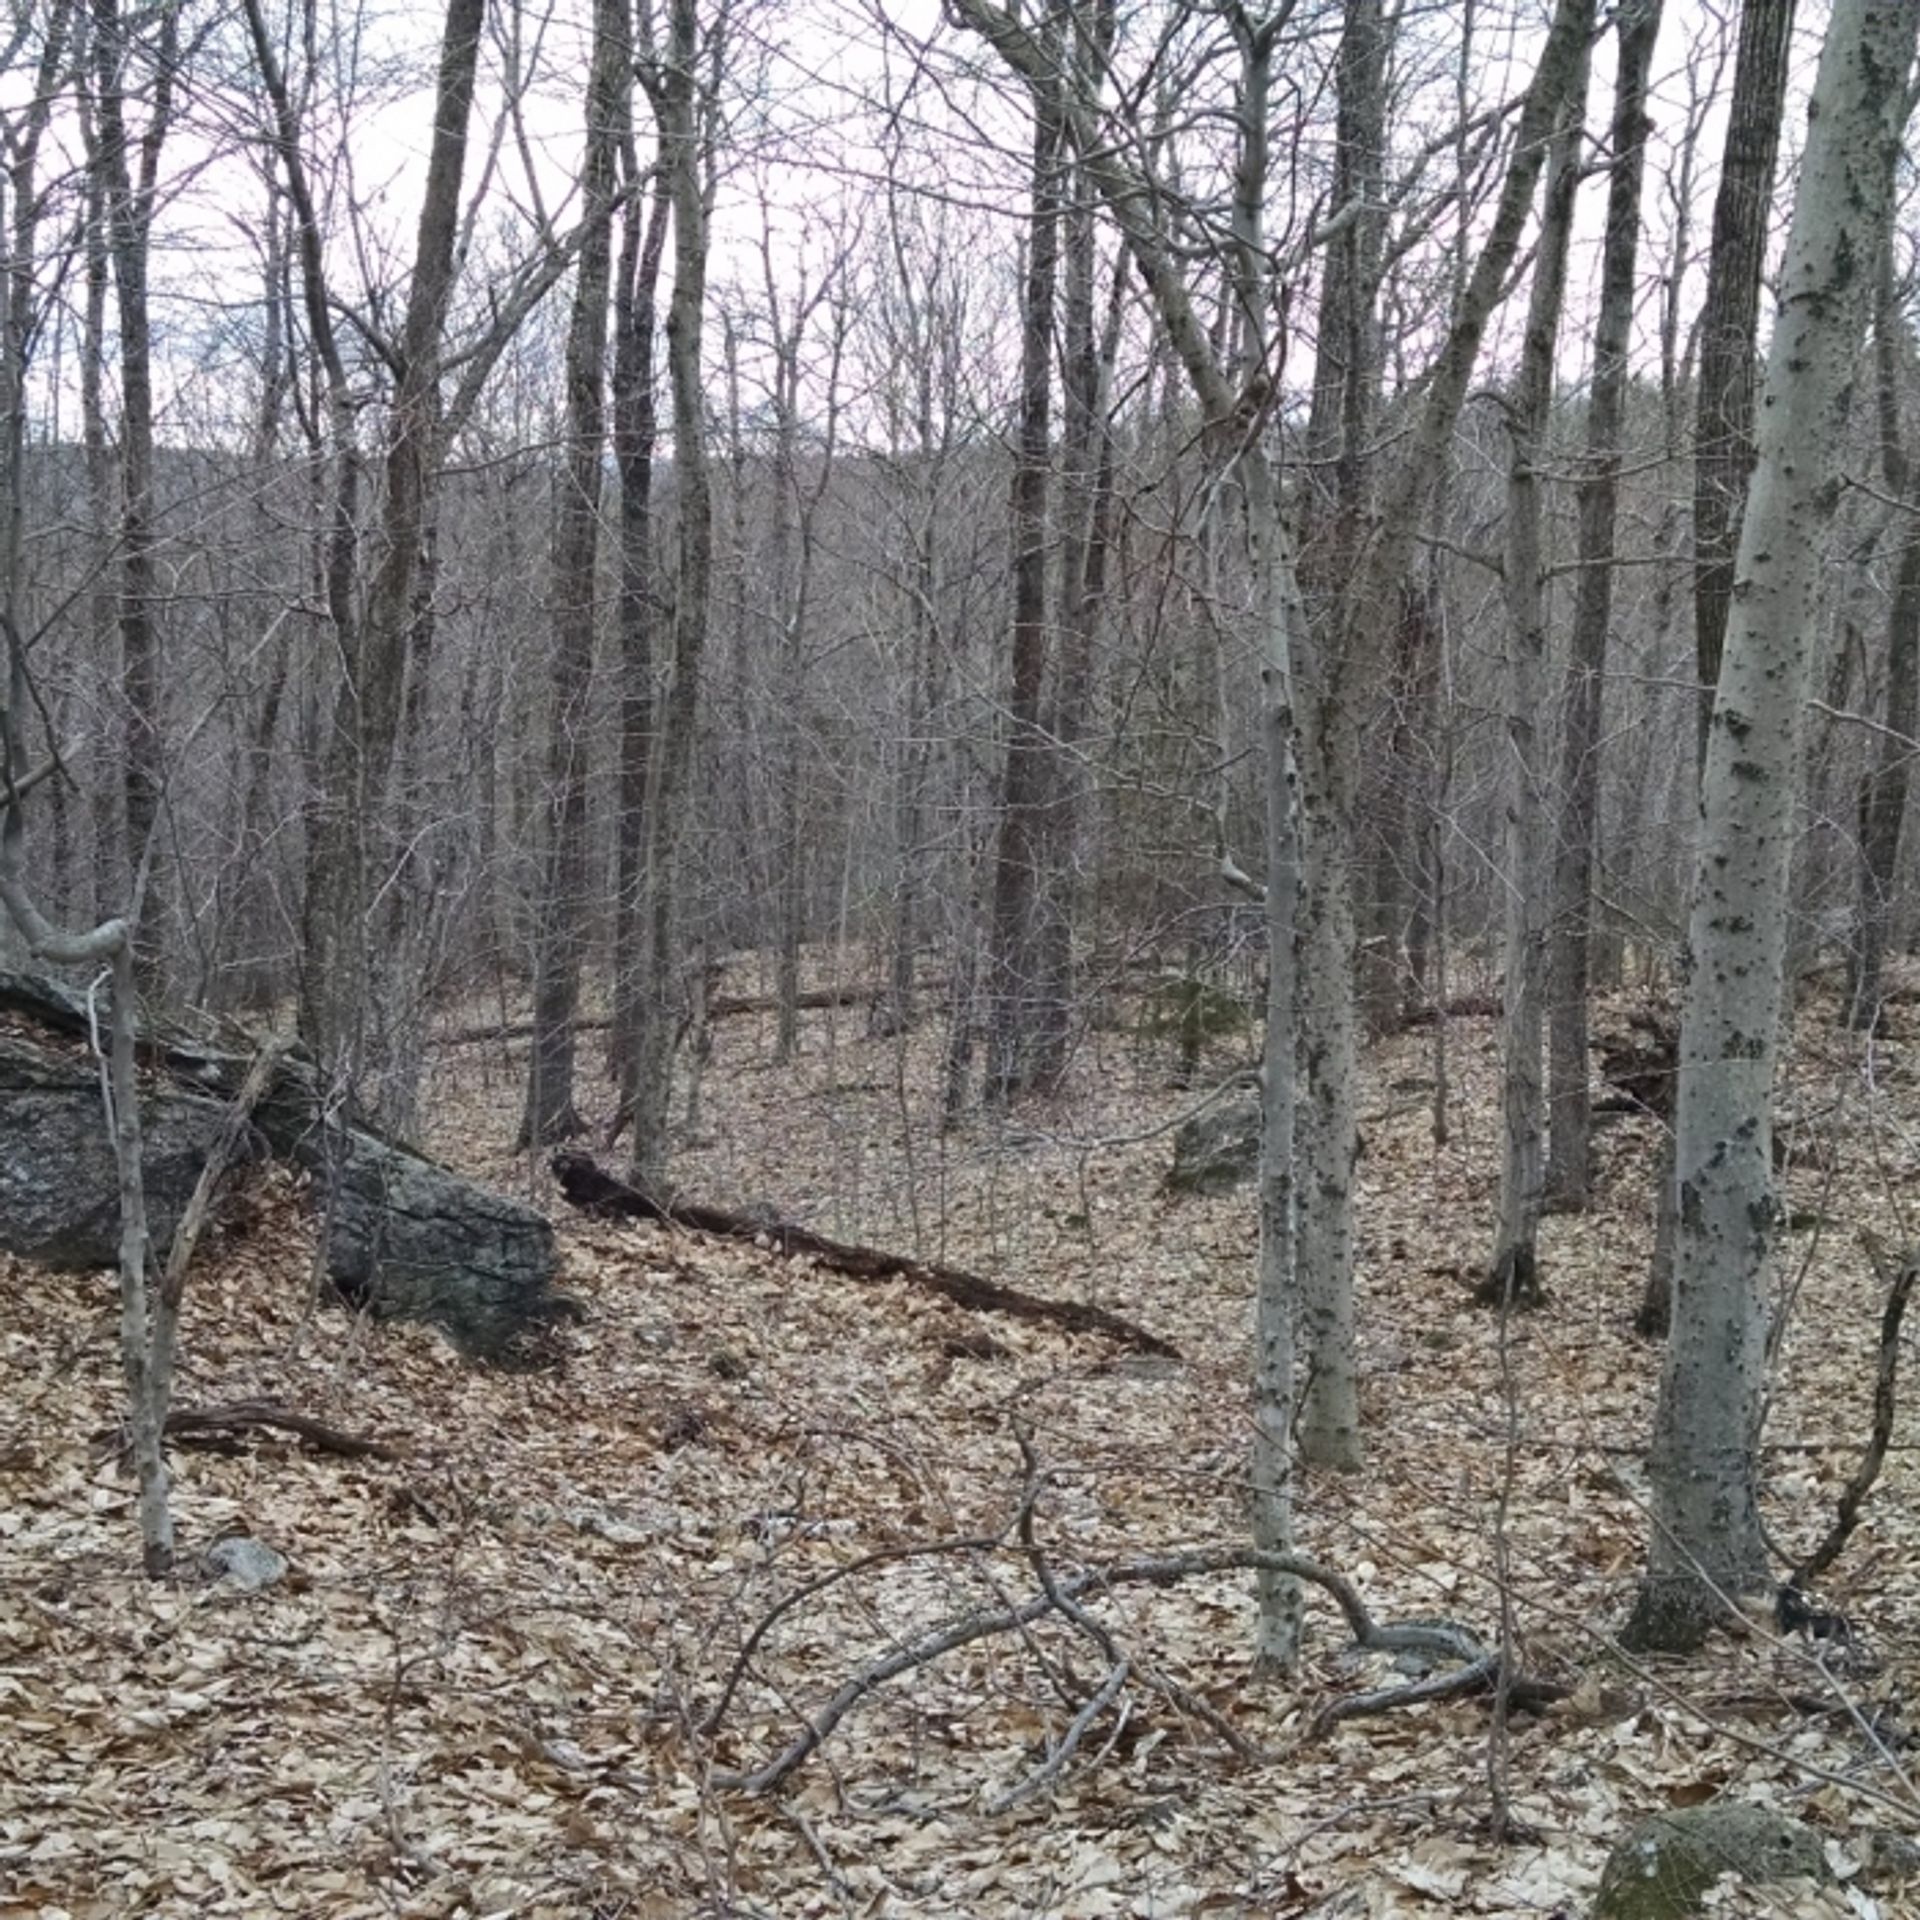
column 1706, row 1542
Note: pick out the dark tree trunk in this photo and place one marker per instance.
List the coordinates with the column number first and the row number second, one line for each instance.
column 129, row 203
column 1013, row 959
column 636, row 428
column 1729, row 320
column 680, row 110
column 357, row 755
column 1085, row 495
column 1567, row 1175
column 1883, row 796
column 560, row 937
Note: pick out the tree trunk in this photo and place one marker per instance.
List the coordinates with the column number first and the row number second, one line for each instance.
column 1012, row 960
column 1339, row 433
column 1086, row 488
column 1282, row 613
column 560, row 937
column 1723, row 431
column 1329, row 761
column 1513, row 1277
column 795, row 551
column 788, row 651
column 1568, row 1176
column 338, row 993
column 1707, row 1545
column 129, row 207
column 643, row 244
column 1729, row 322
column 681, row 115
column 24, row 127
column 1883, row 796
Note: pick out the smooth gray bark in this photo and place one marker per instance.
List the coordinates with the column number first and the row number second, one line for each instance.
column 1707, row 1546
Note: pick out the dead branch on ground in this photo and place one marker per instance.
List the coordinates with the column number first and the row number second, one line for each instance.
column 721, row 1006
column 218, row 1426
column 592, row 1190
column 1065, row 1598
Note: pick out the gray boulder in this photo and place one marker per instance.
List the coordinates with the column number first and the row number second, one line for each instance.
column 59, row 1189
column 407, row 1239
column 1661, row 1870
column 1218, row 1149
column 410, row 1241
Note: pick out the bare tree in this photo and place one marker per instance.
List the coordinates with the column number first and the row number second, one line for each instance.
column 1513, row 1276
column 1707, row 1546
column 682, row 108
column 1723, row 430
column 1637, row 25
column 1344, row 653
column 129, row 196
column 1012, row 956
column 1883, row 794
column 23, row 128
column 1729, row 324
column 339, row 983
column 560, row 928
column 636, row 428
column 1234, row 394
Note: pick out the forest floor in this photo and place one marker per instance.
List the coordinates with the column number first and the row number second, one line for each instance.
column 483, row 1689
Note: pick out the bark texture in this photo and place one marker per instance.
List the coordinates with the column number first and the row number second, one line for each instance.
column 1513, row 1277
column 1883, row 796
column 338, row 1000
column 1707, row 1543
column 560, row 937
column 1638, row 27
column 1013, row 950
column 673, row 82
column 1729, row 321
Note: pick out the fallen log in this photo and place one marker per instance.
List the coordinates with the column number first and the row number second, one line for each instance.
column 591, row 1189
column 859, row 994
column 217, row 1427
column 1462, row 1006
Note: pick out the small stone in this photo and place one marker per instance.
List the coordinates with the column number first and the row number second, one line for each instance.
column 249, row 1564
column 1892, row 1858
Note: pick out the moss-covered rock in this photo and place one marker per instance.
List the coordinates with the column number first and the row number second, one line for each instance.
column 1663, row 1867
column 1218, row 1149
